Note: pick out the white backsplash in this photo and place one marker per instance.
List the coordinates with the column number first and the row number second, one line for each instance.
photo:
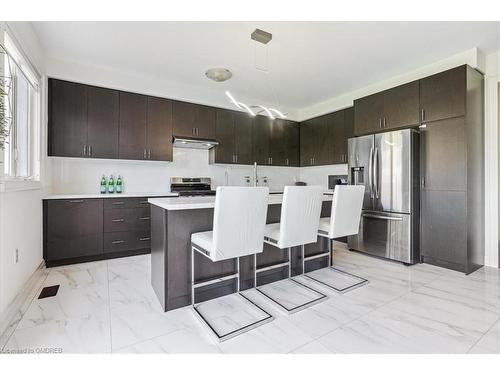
column 82, row 176
column 319, row 175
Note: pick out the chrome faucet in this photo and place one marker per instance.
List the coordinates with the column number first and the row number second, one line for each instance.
column 255, row 177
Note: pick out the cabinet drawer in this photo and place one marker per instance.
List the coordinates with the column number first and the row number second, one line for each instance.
column 123, row 241
column 126, row 202
column 126, row 219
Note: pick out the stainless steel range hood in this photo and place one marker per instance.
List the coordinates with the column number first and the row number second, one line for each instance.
column 187, row 142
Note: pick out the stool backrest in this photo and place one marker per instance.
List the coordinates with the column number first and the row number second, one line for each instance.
column 239, row 219
column 346, row 210
column 300, row 214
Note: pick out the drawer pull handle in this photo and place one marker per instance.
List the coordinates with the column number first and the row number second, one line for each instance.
column 117, row 242
column 144, row 218
column 76, row 201
column 117, row 203
column 144, row 239
column 392, row 218
column 118, row 220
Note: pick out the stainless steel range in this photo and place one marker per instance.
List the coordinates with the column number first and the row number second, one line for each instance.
column 191, row 186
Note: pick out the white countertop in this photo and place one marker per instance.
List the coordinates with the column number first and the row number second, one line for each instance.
column 115, row 195
column 193, row 203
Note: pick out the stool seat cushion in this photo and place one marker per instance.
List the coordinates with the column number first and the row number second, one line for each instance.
column 204, row 242
column 324, row 226
column 272, row 233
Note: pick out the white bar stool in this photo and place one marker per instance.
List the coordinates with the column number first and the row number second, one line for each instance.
column 239, row 219
column 344, row 221
column 299, row 223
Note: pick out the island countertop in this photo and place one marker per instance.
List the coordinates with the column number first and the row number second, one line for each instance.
column 193, row 203
column 110, row 195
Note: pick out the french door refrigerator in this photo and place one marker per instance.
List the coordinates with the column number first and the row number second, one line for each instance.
column 387, row 164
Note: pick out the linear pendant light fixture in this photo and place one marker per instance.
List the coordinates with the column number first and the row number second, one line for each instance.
column 221, row 75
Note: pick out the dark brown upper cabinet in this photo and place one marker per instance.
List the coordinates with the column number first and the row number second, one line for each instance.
column 193, row 120
column 233, row 131
column 261, row 134
column 290, row 144
column 133, row 118
column 67, row 130
column 391, row 109
column 337, row 152
column 159, row 129
column 401, row 106
column 368, row 114
column 102, row 122
column 443, row 95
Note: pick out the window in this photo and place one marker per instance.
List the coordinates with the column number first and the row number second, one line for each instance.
column 22, row 106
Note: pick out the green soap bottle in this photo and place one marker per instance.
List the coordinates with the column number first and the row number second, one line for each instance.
column 104, row 184
column 111, row 185
column 119, row 185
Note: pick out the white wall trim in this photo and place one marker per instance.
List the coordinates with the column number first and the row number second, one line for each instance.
column 12, row 315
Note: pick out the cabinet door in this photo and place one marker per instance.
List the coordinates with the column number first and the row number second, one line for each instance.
column 336, row 138
column 278, row 146
column 193, row 120
column 322, row 152
column 67, row 131
column 243, row 137
column 133, row 112
column 291, row 143
column 103, row 122
column 401, row 106
column 224, row 133
column 306, row 132
column 159, row 129
column 262, row 126
column 74, row 228
column 348, row 127
column 368, row 114
column 443, row 95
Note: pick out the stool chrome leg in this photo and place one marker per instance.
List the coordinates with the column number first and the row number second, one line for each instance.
column 192, row 276
column 255, row 271
column 303, row 255
column 289, row 262
column 238, row 272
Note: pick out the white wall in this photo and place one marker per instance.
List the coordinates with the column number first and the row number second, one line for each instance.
column 20, row 206
column 82, row 176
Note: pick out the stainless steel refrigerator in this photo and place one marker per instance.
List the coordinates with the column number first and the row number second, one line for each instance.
column 387, row 164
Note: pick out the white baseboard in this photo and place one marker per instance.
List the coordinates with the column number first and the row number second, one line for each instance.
column 12, row 315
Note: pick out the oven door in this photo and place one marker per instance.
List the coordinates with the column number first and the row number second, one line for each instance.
column 385, row 235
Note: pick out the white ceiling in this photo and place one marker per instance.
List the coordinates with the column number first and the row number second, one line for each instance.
column 309, row 62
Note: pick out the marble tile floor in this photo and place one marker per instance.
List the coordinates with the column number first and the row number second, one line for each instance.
column 109, row 306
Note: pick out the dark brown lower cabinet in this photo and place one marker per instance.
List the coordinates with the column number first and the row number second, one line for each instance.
column 79, row 230
column 73, row 229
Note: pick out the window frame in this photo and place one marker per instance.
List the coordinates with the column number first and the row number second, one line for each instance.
column 22, row 66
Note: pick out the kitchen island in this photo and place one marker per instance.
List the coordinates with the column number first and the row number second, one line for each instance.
column 173, row 220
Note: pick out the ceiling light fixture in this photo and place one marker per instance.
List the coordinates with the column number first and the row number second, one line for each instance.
column 222, row 74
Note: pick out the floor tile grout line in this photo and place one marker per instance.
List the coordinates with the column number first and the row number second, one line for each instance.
column 29, row 305
column 484, row 334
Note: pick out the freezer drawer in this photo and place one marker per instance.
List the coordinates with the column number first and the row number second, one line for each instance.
column 384, row 235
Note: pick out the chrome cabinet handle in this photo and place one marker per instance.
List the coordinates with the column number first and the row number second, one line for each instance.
column 385, row 122
column 118, row 220
column 117, row 242
column 90, row 150
column 380, row 123
column 149, row 153
column 422, row 114
column 76, row 201
column 236, row 157
column 144, row 218
column 393, row 218
column 84, row 150
column 144, row 154
column 117, row 203
column 287, row 161
column 144, row 238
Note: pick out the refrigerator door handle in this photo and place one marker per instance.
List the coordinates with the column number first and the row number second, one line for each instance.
column 393, row 218
column 375, row 172
column 370, row 172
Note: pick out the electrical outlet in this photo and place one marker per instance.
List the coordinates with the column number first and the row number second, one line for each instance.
column 17, row 256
